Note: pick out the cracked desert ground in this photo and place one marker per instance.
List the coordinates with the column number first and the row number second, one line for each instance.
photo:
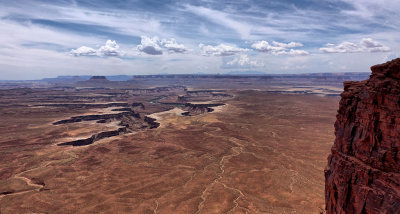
column 261, row 152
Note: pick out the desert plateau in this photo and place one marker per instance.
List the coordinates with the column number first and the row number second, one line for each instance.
column 166, row 149
column 200, row 107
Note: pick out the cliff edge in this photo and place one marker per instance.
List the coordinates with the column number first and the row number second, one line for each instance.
column 363, row 172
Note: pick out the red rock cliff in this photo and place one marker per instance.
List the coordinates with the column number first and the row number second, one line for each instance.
column 363, row 173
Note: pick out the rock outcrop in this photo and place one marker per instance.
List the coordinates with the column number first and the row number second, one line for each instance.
column 95, row 81
column 98, row 78
column 152, row 122
column 195, row 109
column 94, row 138
column 363, row 173
column 78, row 119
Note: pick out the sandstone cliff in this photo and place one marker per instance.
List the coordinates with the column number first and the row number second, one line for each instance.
column 363, row 173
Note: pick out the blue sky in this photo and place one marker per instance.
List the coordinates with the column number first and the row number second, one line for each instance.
column 62, row 37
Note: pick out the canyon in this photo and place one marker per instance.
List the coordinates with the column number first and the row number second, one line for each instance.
column 363, row 173
column 167, row 144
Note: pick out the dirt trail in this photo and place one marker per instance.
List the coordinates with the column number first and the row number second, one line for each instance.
column 30, row 182
column 237, row 150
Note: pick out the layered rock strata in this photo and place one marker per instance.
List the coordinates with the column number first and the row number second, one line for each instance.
column 76, row 119
column 363, row 172
column 195, row 109
column 94, row 138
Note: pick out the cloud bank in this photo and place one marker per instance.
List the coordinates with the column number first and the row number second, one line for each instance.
column 38, row 35
column 155, row 46
column 220, row 50
column 172, row 46
column 366, row 45
column 243, row 61
column 111, row 48
column 150, row 46
column 278, row 48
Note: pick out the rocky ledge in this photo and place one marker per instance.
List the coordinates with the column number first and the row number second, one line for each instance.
column 100, row 117
column 363, row 173
column 195, row 109
column 94, row 138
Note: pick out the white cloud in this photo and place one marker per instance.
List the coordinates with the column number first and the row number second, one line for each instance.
column 84, row 51
column 220, row 50
column 264, row 46
column 154, row 46
column 244, row 61
column 344, row 47
column 278, row 48
column 366, row 45
column 111, row 48
column 373, row 46
column 150, row 46
column 172, row 46
column 287, row 45
column 292, row 52
column 209, row 22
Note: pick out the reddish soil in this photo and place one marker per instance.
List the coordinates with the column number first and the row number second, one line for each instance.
column 261, row 152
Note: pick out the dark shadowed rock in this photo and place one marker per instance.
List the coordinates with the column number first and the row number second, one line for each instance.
column 98, row 78
column 95, row 81
column 94, row 138
column 363, row 173
column 120, row 115
column 152, row 122
column 194, row 109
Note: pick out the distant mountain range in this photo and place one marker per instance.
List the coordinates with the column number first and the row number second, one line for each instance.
column 246, row 73
column 354, row 76
column 73, row 79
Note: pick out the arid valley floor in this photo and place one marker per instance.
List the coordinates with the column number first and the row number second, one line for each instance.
column 166, row 146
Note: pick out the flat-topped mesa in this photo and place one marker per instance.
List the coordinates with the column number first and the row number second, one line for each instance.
column 94, row 81
column 363, row 173
column 98, row 78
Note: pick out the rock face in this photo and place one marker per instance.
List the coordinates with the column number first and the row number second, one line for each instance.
column 127, row 112
column 195, row 109
column 363, row 173
column 93, row 138
column 152, row 122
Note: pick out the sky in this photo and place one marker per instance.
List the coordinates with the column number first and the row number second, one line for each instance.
column 49, row 38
